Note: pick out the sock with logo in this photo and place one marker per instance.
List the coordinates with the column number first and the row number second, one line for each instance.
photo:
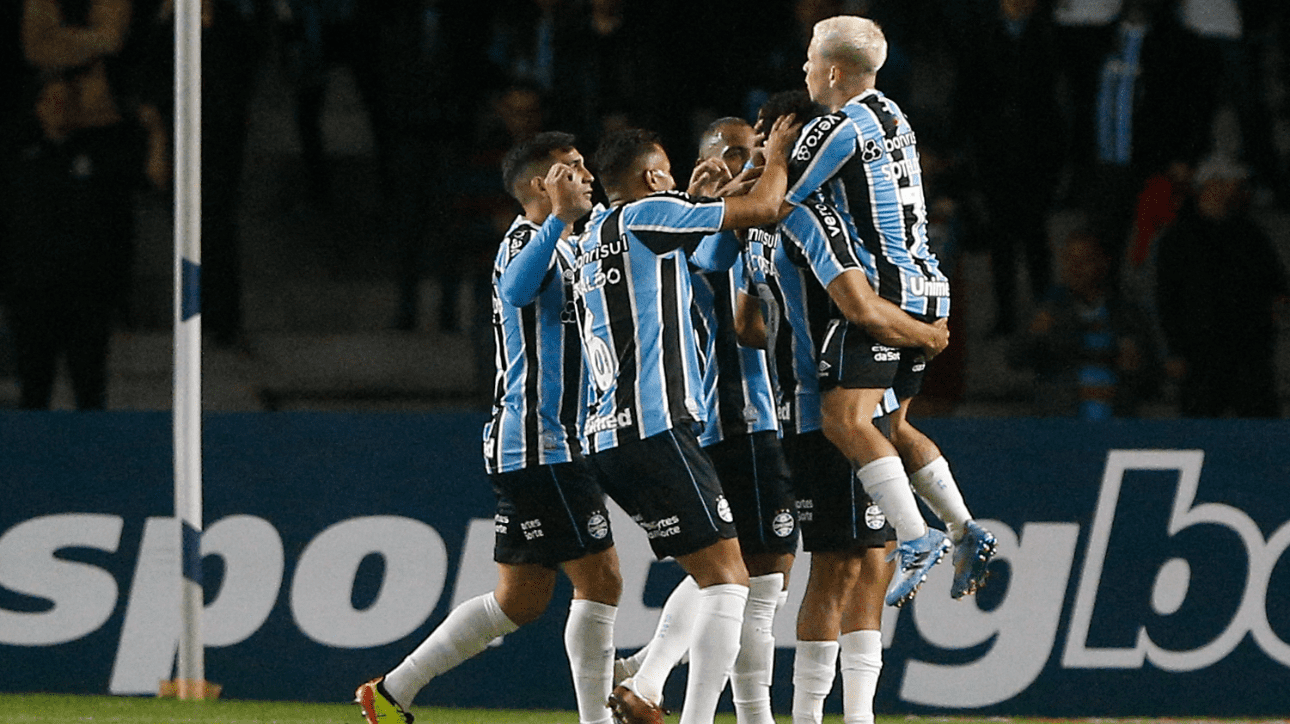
column 671, row 640
column 750, row 680
column 935, row 485
column 861, row 656
column 589, row 642
column 814, row 666
column 465, row 632
column 718, row 618
column 885, row 481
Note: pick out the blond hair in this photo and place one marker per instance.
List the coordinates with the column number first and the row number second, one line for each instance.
column 853, row 41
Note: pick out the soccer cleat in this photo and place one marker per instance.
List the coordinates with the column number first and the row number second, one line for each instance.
column 915, row 558
column 971, row 556
column 377, row 704
column 628, row 707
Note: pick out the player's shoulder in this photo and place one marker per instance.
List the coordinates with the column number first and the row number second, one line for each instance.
column 821, row 131
column 521, row 233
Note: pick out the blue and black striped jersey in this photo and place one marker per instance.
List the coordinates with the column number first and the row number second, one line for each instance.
column 736, row 379
column 863, row 161
column 539, row 382
column 634, row 295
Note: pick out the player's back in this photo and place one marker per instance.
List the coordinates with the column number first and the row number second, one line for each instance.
column 863, row 161
column 633, row 290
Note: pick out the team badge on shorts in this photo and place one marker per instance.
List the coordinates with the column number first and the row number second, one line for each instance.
column 597, row 526
column 723, row 509
column 782, row 524
column 874, row 517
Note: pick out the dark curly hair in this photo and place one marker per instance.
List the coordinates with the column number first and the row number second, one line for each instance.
column 795, row 102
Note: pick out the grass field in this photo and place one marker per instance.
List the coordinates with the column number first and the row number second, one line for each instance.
column 34, row 708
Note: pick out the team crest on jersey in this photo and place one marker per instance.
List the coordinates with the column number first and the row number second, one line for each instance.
column 598, row 526
column 782, row 524
column 550, row 441
column 874, row 517
column 723, row 509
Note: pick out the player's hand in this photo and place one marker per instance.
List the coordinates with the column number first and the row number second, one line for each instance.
column 569, row 191
column 708, row 176
column 940, row 338
column 782, row 137
column 739, row 185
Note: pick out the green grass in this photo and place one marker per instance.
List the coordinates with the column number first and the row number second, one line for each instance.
column 40, row 708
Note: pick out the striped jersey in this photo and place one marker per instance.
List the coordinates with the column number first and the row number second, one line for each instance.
column 863, row 162
column 736, row 379
column 633, row 292
column 538, row 386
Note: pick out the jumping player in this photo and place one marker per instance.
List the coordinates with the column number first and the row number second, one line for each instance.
column 862, row 161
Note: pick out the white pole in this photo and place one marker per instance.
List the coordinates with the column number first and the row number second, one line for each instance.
column 191, row 675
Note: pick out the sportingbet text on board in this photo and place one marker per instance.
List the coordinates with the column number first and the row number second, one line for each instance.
column 1142, row 566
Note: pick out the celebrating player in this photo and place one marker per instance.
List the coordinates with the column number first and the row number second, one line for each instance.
column 862, row 160
column 533, row 456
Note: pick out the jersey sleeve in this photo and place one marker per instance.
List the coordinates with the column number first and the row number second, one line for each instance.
column 822, row 148
column 673, row 220
column 716, row 252
column 528, row 261
column 821, row 237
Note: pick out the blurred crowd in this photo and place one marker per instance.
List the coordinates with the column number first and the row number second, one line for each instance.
column 1106, row 108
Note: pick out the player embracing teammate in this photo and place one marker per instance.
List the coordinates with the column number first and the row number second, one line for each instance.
column 836, row 282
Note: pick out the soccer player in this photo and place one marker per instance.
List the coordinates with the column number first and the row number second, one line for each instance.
column 742, row 440
column 846, row 534
column 862, row 161
column 633, row 290
column 533, row 455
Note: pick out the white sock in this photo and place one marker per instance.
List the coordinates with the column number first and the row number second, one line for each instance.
column 750, row 681
column 671, row 640
column 814, row 665
column 885, row 481
column 466, row 632
column 714, row 646
column 861, row 655
column 589, row 641
column 935, row 485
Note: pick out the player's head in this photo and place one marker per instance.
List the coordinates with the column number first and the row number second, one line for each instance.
column 526, row 165
column 632, row 164
column 730, row 140
column 843, row 58
column 796, row 103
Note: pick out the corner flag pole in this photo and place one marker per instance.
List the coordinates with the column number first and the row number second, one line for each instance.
column 187, row 420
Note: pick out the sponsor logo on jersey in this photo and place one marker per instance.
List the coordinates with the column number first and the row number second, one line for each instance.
column 598, row 526
column 923, row 287
column 814, row 137
column 871, row 150
column 874, row 518
column 904, row 140
column 612, row 421
column 782, row 524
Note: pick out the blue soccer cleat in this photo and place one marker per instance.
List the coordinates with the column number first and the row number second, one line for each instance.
column 971, row 557
column 916, row 557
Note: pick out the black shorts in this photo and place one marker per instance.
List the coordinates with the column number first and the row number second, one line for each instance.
column 835, row 512
column 550, row 514
column 666, row 483
column 755, row 478
column 851, row 358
